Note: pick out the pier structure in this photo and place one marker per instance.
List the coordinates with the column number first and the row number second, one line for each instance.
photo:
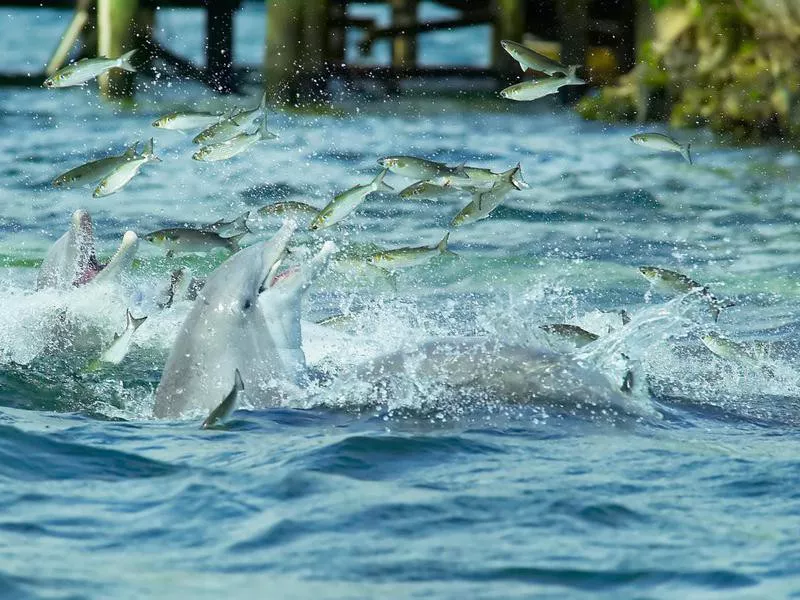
column 305, row 39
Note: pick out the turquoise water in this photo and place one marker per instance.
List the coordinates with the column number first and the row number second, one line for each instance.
column 419, row 491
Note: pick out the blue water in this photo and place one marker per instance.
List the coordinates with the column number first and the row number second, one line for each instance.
column 419, row 492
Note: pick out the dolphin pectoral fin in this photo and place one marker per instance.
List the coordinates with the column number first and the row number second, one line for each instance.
column 225, row 407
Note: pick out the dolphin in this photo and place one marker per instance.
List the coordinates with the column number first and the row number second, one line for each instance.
column 71, row 261
column 225, row 330
column 281, row 303
column 120, row 263
column 481, row 369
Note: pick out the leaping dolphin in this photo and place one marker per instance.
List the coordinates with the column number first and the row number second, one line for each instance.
column 71, row 261
column 229, row 328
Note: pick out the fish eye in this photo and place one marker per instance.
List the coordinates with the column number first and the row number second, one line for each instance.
column 247, row 304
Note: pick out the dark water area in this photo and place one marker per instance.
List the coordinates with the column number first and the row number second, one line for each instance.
column 689, row 487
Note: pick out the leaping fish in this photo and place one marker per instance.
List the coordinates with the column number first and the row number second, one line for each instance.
column 86, row 69
column 235, row 145
column 743, row 354
column 662, row 143
column 185, row 239
column 120, row 176
column 681, row 284
column 410, row 257
column 539, row 88
column 96, row 169
column 119, row 348
column 230, row 127
column 421, row 168
column 530, row 59
column 225, row 407
column 346, row 202
column 183, row 121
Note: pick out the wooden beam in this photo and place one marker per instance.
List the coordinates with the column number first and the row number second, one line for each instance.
column 219, row 44
column 296, row 49
column 76, row 25
column 404, row 47
column 573, row 25
column 116, row 23
column 509, row 24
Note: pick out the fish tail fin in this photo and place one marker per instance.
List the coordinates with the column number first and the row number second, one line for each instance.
column 234, row 242
column 627, row 382
column 148, row 151
column 379, row 184
column 442, row 245
column 262, row 105
column 130, row 151
column 686, row 152
column 716, row 306
column 125, row 61
column 134, row 322
column 239, row 224
column 264, row 132
column 572, row 73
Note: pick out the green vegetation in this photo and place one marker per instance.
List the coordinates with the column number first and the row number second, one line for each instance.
column 731, row 66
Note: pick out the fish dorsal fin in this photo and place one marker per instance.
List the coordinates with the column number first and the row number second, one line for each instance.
column 130, row 151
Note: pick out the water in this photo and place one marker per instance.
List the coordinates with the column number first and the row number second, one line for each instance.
column 690, row 489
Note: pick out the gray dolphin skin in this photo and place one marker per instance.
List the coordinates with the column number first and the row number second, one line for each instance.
column 71, row 260
column 246, row 319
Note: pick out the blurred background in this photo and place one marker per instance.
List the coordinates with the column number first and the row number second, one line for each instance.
column 730, row 65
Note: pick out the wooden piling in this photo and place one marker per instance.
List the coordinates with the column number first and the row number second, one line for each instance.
column 219, row 45
column 116, row 26
column 509, row 24
column 573, row 24
column 404, row 47
column 76, row 25
column 296, row 49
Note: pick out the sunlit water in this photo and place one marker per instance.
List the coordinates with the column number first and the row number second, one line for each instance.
column 415, row 491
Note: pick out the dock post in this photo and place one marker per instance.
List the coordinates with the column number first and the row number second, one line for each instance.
column 116, row 25
column 296, row 49
column 573, row 26
column 219, row 45
column 509, row 24
column 404, row 47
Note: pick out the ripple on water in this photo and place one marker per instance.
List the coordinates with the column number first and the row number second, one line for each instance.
column 30, row 457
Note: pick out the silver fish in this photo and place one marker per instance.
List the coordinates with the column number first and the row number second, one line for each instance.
column 428, row 190
column 180, row 281
column 681, row 284
column 235, row 124
column 484, row 202
column 346, row 202
column 122, row 342
column 233, row 146
column 571, row 333
column 662, row 143
column 486, row 177
column 120, row 176
column 530, row 59
column 225, row 407
column 410, row 257
column 420, row 168
column 539, row 88
column 743, row 354
column 230, row 228
column 96, row 169
column 288, row 209
column 182, row 121
column 86, row 69
column 184, row 239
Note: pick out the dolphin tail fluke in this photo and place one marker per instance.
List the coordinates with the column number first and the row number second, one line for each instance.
column 225, row 407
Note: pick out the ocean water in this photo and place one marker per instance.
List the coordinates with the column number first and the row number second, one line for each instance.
column 417, row 487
